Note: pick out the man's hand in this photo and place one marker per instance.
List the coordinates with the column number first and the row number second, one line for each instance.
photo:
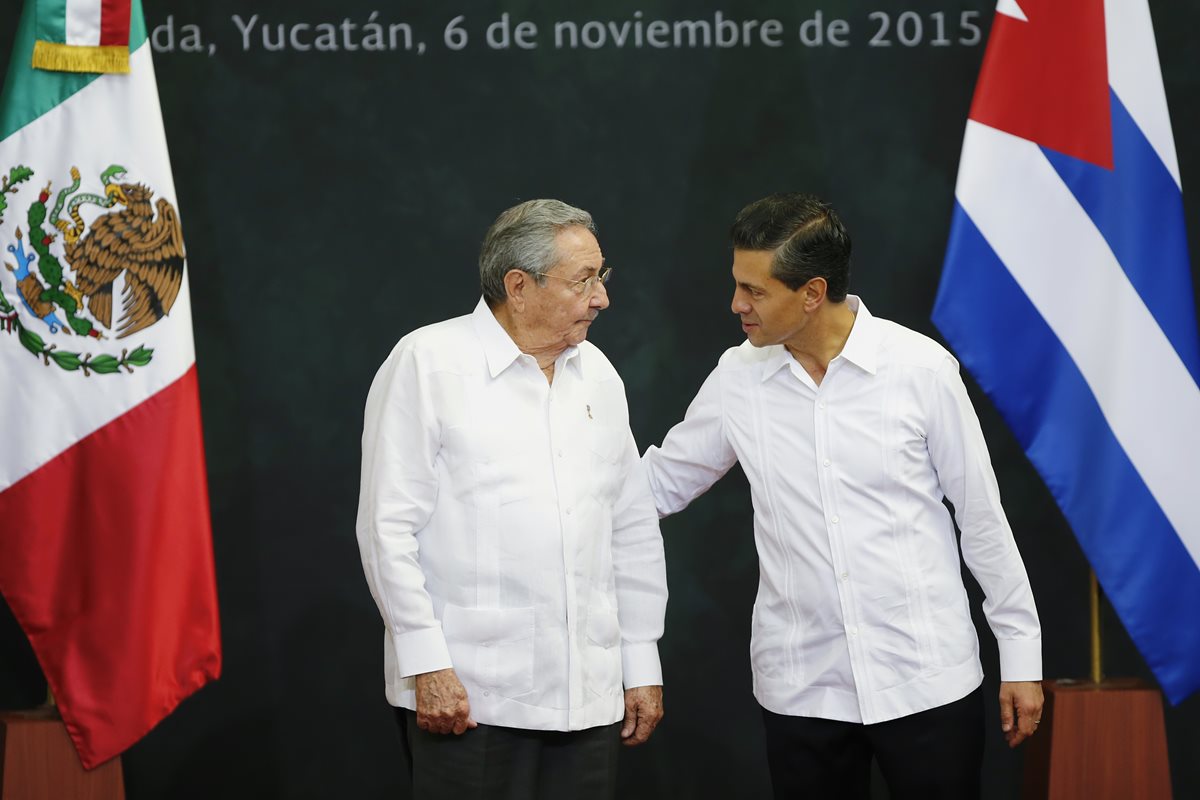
column 1022, row 699
column 442, row 705
column 643, row 712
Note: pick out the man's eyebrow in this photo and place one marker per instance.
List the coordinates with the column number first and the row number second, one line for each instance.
column 589, row 270
column 750, row 287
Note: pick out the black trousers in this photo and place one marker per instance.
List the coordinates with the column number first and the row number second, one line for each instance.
column 934, row 755
column 510, row 763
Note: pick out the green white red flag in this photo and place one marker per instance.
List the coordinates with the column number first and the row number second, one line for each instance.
column 81, row 35
column 105, row 540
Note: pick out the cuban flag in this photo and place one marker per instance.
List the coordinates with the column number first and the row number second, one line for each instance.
column 1067, row 293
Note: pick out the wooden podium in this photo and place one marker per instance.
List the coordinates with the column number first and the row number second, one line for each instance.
column 1098, row 741
column 38, row 762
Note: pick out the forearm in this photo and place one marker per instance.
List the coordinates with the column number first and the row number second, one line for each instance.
column 693, row 456
column 964, row 469
column 397, row 497
column 641, row 587
column 640, row 577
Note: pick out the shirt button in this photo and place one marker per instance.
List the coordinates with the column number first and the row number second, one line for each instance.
column 827, row 462
column 486, row 693
column 845, row 576
column 853, row 631
column 835, row 519
column 821, row 404
column 560, row 453
column 568, row 512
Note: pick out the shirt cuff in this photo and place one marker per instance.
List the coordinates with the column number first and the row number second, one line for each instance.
column 640, row 665
column 421, row 651
column 1020, row 659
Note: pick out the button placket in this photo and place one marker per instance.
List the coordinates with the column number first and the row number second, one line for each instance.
column 823, row 428
column 565, row 433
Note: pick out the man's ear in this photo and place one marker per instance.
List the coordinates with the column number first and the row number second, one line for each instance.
column 814, row 293
column 516, row 283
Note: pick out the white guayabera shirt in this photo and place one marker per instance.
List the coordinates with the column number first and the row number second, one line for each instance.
column 507, row 529
column 861, row 612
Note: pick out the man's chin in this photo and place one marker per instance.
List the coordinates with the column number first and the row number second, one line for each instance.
column 580, row 331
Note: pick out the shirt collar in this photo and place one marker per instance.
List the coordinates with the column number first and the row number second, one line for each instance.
column 861, row 348
column 498, row 347
column 775, row 361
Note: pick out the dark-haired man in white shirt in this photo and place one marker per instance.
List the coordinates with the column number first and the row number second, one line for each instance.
column 851, row 430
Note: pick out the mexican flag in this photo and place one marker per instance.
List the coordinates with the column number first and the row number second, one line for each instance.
column 105, row 542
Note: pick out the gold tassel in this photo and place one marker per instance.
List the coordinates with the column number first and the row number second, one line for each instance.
column 76, row 58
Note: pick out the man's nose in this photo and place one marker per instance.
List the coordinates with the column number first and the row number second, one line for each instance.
column 599, row 298
column 739, row 306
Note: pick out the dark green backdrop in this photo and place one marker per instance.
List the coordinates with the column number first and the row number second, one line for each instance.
column 333, row 201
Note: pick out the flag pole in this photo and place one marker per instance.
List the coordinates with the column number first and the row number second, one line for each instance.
column 1094, row 596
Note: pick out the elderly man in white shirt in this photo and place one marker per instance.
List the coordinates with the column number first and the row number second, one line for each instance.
column 851, row 430
column 508, row 533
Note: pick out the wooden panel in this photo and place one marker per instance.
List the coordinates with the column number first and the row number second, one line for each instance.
column 38, row 762
column 1098, row 742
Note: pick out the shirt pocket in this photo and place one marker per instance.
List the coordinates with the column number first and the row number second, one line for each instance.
column 954, row 632
column 488, row 466
column 602, row 659
column 491, row 647
column 607, row 443
column 606, row 447
column 769, row 652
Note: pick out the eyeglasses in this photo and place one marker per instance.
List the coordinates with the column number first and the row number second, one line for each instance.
column 587, row 285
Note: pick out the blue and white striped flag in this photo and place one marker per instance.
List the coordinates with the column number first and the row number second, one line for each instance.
column 1067, row 293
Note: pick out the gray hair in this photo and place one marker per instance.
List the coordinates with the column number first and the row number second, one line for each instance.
column 523, row 237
